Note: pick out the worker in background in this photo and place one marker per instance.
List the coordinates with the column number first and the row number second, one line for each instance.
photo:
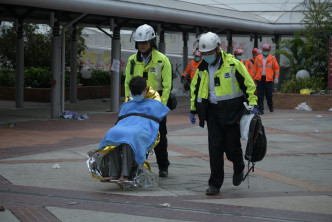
column 250, row 63
column 217, row 96
column 266, row 71
column 238, row 55
column 190, row 71
column 156, row 69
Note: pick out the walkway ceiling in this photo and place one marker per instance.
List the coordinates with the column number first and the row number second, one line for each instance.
column 265, row 17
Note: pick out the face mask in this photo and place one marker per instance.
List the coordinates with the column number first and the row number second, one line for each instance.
column 254, row 57
column 197, row 59
column 209, row 59
column 239, row 57
column 265, row 53
column 138, row 98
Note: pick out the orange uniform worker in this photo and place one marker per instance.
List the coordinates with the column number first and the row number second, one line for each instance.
column 238, row 54
column 266, row 70
column 192, row 66
column 250, row 63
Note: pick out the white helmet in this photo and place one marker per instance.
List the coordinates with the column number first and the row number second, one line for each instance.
column 208, row 42
column 144, row 33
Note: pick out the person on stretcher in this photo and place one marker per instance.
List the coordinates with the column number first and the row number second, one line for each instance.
column 136, row 130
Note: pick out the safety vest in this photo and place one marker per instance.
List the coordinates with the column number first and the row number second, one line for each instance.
column 191, row 69
column 234, row 81
column 271, row 68
column 250, row 63
column 158, row 73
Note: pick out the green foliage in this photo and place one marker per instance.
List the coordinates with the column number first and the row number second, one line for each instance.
column 37, row 77
column 315, row 83
column 7, row 77
column 98, row 78
column 318, row 18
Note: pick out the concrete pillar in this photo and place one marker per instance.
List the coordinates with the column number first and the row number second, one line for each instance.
column 162, row 45
column 19, row 90
column 63, row 70
column 197, row 32
column 73, row 66
column 115, row 70
column 229, row 42
column 185, row 37
column 56, row 72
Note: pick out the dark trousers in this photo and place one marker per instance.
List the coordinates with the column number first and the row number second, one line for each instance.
column 264, row 88
column 222, row 138
column 161, row 149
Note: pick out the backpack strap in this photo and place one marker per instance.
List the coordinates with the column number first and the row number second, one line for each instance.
column 137, row 114
column 132, row 66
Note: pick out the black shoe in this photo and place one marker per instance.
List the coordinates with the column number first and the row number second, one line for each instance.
column 238, row 178
column 260, row 112
column 212, row 191
column 271, row 109
column 163, row 173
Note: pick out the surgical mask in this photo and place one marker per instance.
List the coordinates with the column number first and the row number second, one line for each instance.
column 265, row 53
column 138, row 98
column 209, row 59
column 254, row 56
column 239, row 57
column 197, row 59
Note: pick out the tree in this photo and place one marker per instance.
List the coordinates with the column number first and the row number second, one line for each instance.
column 318, row 18
column 37, row 45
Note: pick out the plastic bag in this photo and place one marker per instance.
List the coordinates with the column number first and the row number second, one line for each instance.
column 245, row 124
column 303, row 106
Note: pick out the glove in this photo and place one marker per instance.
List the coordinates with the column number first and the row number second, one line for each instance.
column 251, row 109
column 192, row 118
column 254, row 111
column 182, row 79
column 276, row 80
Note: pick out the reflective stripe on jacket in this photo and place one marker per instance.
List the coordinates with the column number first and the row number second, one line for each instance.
column 235, row 81
column 271, row 68
column 250, row 63
column 191, row 69
column 158, row 73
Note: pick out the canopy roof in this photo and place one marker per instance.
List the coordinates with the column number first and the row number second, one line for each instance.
column 238, row 16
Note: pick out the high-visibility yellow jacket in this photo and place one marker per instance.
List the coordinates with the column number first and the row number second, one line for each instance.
column 271, row 68
column 158, row 73
column 236, row 86
column 250, row 66
column 191, row 69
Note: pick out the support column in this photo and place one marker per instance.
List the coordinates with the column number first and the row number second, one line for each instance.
column 162, row 46
column 19, row 90
column 229, row 42
column 63, row 70
column 276, row 40
column 73, row 66
column 115, row 70
column 56, row 72
column 197, row 32
column 185, row 37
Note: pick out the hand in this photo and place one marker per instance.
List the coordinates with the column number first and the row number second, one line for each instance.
column 192, row 118
column 254, row 111
column 182, row 79
column 276, row 80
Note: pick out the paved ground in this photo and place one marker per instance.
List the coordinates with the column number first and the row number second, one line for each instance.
column 292, row 183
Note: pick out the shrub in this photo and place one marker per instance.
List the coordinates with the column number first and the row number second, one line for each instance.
column 37, row 77
column 98, row 78
column 7, row 77
column 315, row 83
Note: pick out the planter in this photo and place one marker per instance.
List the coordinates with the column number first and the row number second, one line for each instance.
column 44, row 94
column 290, row 101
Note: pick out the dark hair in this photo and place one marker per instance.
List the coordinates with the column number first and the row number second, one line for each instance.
column 137, row 85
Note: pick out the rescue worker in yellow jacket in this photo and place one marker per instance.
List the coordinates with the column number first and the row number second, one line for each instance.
column 266, row 71
column 250, row 63
column 219, row 89
column 155, row 67
column 238, row 55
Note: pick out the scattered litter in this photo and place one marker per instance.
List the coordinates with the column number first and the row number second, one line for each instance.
column 73, row 115
column 316, row 131
column 303, row 106
column 165, row 204
column 319, row 116
column 56, row 166
column 330, row 109
column 11, row 125
column 73, row 203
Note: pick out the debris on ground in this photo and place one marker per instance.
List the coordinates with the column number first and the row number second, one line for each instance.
column 303, row 106
column 73, row 115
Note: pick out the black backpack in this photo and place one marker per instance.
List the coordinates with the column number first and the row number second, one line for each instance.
column 256, row 146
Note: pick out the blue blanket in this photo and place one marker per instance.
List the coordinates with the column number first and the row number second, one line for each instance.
column 138, row 132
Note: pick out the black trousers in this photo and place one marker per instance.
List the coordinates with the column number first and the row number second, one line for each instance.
column 264, row 88
column 161, row 149
column 222, row 139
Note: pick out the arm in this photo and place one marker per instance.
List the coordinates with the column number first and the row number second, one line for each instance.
column 187, row 71
column 276, row 68
column 166, row 75
column 128, row 77
column 194, row 86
